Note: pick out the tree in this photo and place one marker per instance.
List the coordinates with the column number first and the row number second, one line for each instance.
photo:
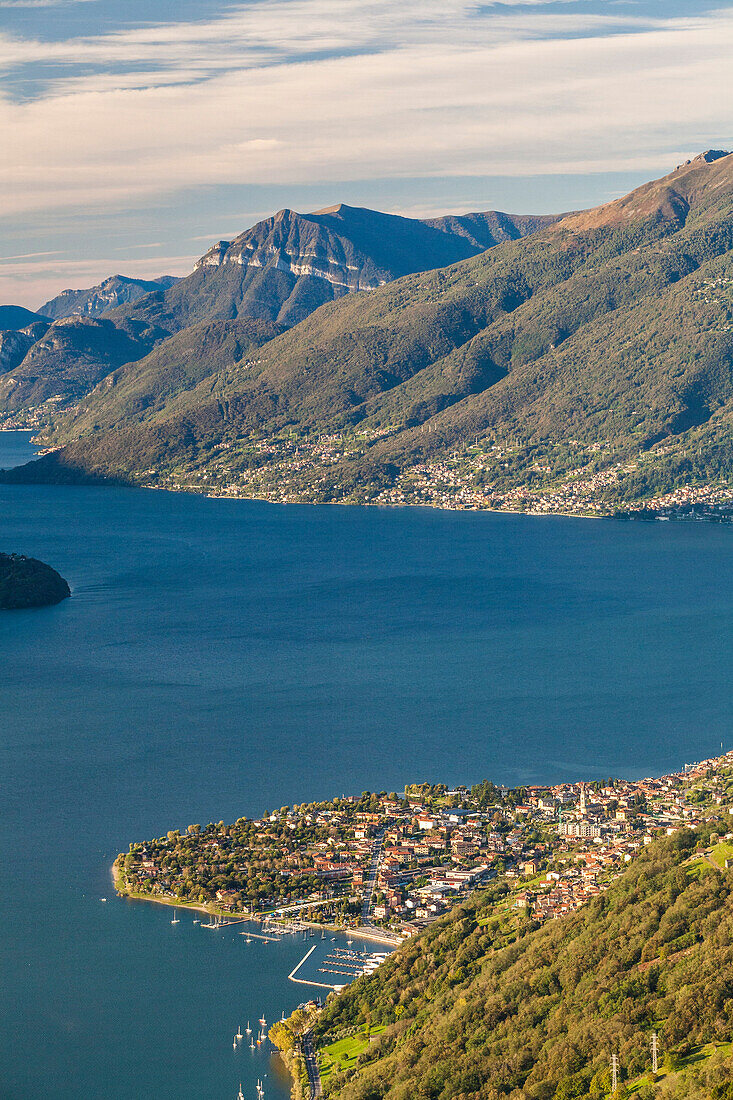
column 282, row 1036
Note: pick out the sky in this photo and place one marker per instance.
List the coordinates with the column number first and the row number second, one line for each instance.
column 135, row 133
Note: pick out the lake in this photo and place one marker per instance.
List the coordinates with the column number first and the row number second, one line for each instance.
column 220, row 658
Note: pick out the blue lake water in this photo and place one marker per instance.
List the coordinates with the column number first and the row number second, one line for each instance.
column 219, row 658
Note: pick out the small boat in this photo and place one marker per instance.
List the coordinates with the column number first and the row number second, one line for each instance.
column 197, row 922
column 240, row 1094
column 175, row 921
column 263, row 1021
column 234, row 1045
column 252, row 1045
column 102, row 899
column 248, row 1029
column 239, row 1035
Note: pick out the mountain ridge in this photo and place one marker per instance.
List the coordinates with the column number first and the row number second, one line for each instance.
column 111, row 292
column 589, row 365
column 285, row 266
column 277, row 272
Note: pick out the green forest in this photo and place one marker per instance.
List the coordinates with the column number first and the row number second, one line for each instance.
column 471, row 1015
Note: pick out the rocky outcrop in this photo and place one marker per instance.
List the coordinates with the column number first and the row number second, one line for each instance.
column 115, row 291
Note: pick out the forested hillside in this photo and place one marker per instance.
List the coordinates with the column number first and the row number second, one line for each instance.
column 584, row 368
column 471, row 1015
column 273, row 275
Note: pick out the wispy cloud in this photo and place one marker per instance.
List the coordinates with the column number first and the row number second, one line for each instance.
column 29, row 256
column 34, row 283
column 42, row 3
column 470, row 100
column 300, row 91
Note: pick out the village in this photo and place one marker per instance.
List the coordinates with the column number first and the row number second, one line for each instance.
column 393, row 863
column 572, row 478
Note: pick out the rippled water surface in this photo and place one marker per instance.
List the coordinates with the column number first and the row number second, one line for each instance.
column 218, row 658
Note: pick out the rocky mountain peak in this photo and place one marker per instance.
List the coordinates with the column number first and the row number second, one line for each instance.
column 707, row 157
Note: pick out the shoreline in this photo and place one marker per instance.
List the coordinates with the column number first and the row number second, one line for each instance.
column 625, row 517
column 212, row 911
column 637, row 514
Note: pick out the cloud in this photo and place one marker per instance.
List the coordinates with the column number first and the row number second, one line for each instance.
column 33, row 283
column 28, row 256
column 42, row 3
column 278, row 31
column 303, row 91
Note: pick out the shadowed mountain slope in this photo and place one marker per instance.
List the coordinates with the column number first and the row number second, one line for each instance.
column 16, row 317
column 141, row 389
column 67, row 359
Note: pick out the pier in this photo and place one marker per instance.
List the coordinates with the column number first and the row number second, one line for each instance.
column 304, row 981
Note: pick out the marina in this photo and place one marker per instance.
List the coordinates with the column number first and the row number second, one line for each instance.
column 340, row 963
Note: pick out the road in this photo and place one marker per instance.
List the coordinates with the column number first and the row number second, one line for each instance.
column 371, row 879
column 311, row 1065
column 302, row 905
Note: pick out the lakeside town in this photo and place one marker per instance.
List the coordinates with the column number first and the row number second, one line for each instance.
column 391, row 863
column 569, row 478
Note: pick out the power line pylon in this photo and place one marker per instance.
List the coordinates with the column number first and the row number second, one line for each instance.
column 614, row 1073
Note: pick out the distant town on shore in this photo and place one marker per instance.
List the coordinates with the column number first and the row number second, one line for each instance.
column 396, row 862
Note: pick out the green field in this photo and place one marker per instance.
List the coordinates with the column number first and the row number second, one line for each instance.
column 344, row 1053
column 721, row 852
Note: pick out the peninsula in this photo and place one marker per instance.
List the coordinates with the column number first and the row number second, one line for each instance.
column 565, row 941
column 27, row 582
column 398, row 862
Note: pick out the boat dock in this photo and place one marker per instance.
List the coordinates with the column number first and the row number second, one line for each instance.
column 340, row 963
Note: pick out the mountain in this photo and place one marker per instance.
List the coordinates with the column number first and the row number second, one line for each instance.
column 137, row 391
column 587, row 367
column 484, row 230
column 471, row 1011
column 15, row 317
column 275, row 273
column 62, row 362
column 286, row 266
column 14, row 345
column 116, row 291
